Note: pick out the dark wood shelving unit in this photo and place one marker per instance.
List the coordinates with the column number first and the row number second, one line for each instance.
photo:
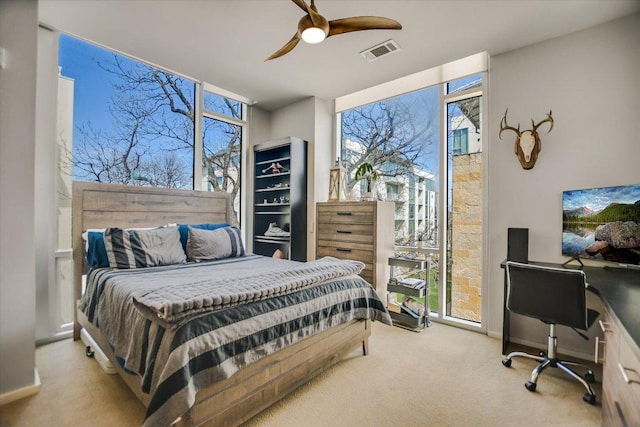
column 280, row 197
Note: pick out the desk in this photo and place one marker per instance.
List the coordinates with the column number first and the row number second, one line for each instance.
column 619, row 290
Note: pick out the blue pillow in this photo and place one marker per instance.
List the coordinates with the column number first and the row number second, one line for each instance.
column 96, row 251
column 184, row 231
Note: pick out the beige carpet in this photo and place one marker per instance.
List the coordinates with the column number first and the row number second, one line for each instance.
column 444, row 376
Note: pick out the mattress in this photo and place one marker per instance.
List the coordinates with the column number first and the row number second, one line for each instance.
column 240, row 311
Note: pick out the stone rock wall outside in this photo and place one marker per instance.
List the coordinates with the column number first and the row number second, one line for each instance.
column 466, row 239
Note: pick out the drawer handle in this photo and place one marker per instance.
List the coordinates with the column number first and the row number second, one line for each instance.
column 598, row 342
column 344, row 213
column 626, row 378
column 605, row 326
column 343, row 231
column 343, row 249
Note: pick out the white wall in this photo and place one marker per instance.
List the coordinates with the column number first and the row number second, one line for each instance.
column 590, row 81
column 18, row 35
column 312, row 120
column 45, row 184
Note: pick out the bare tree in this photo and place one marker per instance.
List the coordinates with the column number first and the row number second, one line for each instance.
column 389, row 135
column 153, row 116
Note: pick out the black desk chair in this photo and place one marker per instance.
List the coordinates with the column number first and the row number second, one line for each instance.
column 557, row 297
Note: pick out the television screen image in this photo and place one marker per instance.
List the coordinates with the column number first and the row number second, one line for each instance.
column 602, row 224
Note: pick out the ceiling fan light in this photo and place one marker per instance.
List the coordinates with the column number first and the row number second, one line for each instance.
column 313, row 35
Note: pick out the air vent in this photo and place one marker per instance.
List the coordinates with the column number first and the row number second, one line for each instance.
column 382, row 49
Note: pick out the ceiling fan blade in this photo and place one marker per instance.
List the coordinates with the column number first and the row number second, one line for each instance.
column 310, row 10
column 317, row 19
column 288, row 47
column 302, row 5
column 359, row 23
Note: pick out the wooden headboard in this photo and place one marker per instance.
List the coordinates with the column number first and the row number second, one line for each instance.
column 97, row 205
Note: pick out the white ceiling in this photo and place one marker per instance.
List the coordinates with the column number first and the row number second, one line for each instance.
column 225, row 42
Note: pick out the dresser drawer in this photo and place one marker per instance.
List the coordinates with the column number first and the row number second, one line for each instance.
column 361, row 231
column 628, row 368
column 349, row 249
column 346, row 213
column 621, row 399
column 340, row 232
column 345, row 252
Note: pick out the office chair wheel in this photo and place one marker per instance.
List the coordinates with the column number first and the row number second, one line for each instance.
column 530, row 385
column 506, row 362
column 589, row 398
column 589, row 377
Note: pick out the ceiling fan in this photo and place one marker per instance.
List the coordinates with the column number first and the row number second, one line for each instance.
column 314, row 28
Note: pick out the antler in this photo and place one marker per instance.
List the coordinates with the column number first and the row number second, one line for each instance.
column 504, row 126
column 548, row 119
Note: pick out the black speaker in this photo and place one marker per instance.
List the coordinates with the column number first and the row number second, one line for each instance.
column 518, row 244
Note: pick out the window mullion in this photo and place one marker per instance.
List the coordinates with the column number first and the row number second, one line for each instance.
column 443, row 215
column 197, row 135
column 223, row 117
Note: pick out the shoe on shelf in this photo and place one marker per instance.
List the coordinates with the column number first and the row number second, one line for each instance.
column 275, row 231
column 274, row 168
column 413, row 305
column 281, row 168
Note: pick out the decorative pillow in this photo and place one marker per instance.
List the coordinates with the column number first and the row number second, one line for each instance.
column 207, row 245
column 96, row 252
column 184, row 230
column 94, row 247
column 143, row 248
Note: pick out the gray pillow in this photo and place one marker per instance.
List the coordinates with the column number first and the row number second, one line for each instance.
column 207, row 245
column 129, row 248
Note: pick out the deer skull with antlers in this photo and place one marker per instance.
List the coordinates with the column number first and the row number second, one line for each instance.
column 528, row 142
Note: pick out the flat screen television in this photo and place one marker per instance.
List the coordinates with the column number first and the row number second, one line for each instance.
column 602, row 224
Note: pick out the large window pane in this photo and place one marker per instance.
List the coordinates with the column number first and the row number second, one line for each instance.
column 221, row 105
column 402, row 139
column 123, row 121
column 399, row 138
column 222, row 159
column 133, row 123
column 464, row 228
column 464, row 83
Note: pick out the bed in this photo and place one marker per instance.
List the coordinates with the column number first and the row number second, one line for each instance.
column 252, row 372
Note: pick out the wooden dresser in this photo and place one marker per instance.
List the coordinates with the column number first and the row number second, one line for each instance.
column 362, row 231
column 621, row 378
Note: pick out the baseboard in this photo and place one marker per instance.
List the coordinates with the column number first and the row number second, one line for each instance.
column 495, row 334
column 23, row 392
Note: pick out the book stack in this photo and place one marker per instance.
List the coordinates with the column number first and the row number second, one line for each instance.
column 412, row 283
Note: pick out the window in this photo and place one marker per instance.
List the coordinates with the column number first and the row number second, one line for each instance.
column 222, row 136
column 123, row 121
column 464, row 194
column 460, row 141
column 402, row 137
column 399, row 138
column 135, row 124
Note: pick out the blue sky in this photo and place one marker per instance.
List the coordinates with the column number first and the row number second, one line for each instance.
column 92, row 85
column 94, row 90
column 597, row 199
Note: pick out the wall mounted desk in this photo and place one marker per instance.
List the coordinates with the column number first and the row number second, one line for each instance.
column 619, row 290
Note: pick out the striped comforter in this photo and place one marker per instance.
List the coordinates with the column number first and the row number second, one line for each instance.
column 177, row 358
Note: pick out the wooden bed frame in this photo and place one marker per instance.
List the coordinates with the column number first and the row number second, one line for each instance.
column 250, row 390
